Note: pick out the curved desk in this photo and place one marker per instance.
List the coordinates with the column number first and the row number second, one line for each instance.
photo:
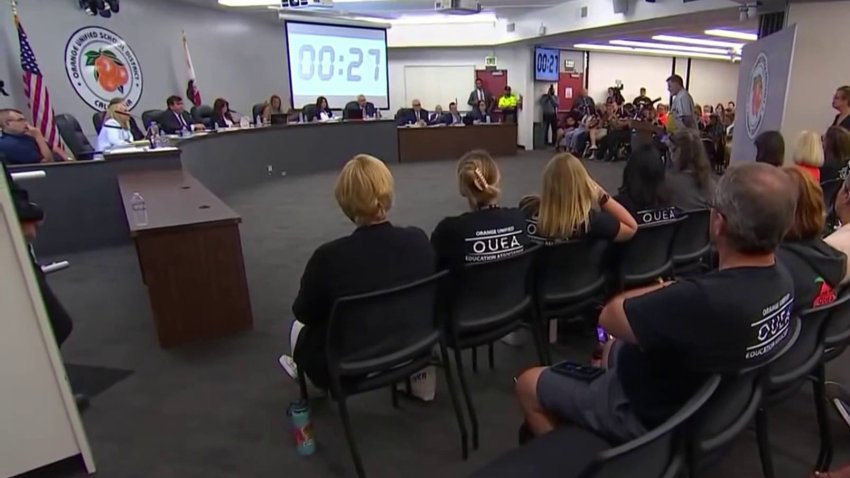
column 83, row 206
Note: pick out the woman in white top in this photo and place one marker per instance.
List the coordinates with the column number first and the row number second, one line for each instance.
column 323, row 112
column 116, row 127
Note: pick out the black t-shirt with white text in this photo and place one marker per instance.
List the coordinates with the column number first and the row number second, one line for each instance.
column 600, row 225
column 722, row 322
column 648, row 215
column 488, row 234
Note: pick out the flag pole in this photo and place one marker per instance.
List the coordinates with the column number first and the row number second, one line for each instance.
column 14, row 5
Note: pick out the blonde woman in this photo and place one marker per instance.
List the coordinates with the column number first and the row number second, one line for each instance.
column 116, row 127
column 274, row 106
column 377, row 255
column 808, row 153
column 573, row 206
column 487, row 231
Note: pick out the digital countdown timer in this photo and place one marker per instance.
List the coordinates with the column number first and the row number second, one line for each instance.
column 547, row 64
column 326, row 63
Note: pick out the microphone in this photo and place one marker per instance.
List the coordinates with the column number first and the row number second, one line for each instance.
column 124, row 113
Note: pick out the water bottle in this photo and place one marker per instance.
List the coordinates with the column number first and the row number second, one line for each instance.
column 140, row 211
column 258, row 122
column 243, row 122
column 153, row 132
column 302, row 429
column 185, row 131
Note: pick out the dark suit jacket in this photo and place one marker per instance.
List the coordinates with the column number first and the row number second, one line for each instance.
column 410, row 117
column 473, row 99
column 449, row 120
column 170, row 125
column 219, row 121
column 369, row 110
column 318, row 115
column 436, row 118
column 479, row 116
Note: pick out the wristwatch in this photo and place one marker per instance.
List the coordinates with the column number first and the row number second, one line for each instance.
column 603, row 199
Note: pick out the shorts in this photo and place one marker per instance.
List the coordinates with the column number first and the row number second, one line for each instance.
column 600, row 406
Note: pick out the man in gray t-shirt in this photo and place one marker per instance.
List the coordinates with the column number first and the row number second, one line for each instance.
column 682, row 107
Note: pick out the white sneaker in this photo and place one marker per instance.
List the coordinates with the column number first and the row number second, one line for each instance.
column 289, row 366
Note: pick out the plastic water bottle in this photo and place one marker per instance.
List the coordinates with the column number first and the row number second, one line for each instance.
column 153, row 132
column 258, row 122
column 302, row 428
column 185, row 131
column 243, row 122
column 140, row 211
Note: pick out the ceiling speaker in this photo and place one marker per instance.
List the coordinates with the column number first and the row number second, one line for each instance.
column 621, row 6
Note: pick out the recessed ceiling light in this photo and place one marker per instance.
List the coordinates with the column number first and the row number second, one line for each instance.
column 434, row 19
column 248, row 3
column 650, row 51
column 732, row 34
column 668, row 46
column 698, row 41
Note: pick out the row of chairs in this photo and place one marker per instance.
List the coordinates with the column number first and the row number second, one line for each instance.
column 379, row 339
column 704, row 430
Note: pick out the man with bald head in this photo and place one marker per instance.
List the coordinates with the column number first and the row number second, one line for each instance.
column 670, row 337
column 23, row 143
column 368, row 108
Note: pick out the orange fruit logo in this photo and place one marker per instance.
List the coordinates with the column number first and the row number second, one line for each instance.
column 109, row 72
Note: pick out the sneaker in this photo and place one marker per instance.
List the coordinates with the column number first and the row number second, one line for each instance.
column 289, row 366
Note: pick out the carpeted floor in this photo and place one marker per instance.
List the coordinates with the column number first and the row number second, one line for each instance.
column 218, row 409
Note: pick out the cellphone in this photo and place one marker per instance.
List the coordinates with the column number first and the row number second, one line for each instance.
column 585, row 373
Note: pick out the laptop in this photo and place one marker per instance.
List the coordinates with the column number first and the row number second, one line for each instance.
column 278, row 118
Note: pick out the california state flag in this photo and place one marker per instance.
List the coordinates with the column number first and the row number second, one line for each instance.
column 192, row 91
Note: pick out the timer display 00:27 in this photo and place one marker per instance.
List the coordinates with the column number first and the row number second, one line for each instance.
column 324, row 63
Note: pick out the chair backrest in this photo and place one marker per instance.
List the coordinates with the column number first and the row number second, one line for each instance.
column 731, row 408
column 692, row 240
column 570, row 272
column 202, row 114
column 401, row 112
column 72, row 134
column 837, row 326
column 487, row 296
column 309, row 112
column 97, row 120
column 351, row 105
column 658, row 450
column 799, row 361
column 830, row 191
column 382, row 329
column 257, row 110
column 150, row 116
column 649, row 254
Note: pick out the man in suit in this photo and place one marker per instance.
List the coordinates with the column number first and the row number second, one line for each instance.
column 453, row 117
column 369, row 110
column 480, row 94
column 175, row 119
column 416, row 115
column 437, row 116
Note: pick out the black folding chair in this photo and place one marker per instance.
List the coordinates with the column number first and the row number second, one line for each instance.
column 836, row 337
column 648, row 256
column 572, row 452
column 381, row 338
column 692, row 243
column 730, row 410
column 789, row 372
column 570, row 280
column 488, row 301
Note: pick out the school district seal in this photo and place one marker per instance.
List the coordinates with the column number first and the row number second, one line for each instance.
column 101, row 66
column 757, row 95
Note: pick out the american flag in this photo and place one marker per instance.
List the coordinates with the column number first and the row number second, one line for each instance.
column 36, row 90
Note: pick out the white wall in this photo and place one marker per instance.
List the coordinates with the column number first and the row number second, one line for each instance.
column 713, row 82
column 635, row 71
column 815, row 70
column 454, row 35
column 239, row 57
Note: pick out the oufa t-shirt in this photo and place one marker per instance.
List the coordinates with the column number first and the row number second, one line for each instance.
column 722, row 322
column 484, row 235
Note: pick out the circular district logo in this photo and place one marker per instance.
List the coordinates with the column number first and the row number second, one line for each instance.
column 102, row 66
column 757, row 95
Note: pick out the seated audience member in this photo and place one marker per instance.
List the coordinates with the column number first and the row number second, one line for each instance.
column 730, row 107
column 663, row 113
column 721, row 113
column 323, row 111
column 770, row 148
column 699, row 116
column 836, row 154
column 642, row 101
column 644, row 192
column 487, row 232
column 367, row 107
column 566, row 137
column 808, row 153
column 619, row 132
column 480, row 114
column 115, row 131
column 840, row 239
column 509, row 102
column 23, row 143
column 416, row 115
column 606, row 118
column 377, row 255
column 817, row 268
column 573, row 206
column 670, row 337
column 221, row 116
column 272, row 107
column 176, row 119
column 690, row 183
column 437, row 116
column 453, row 117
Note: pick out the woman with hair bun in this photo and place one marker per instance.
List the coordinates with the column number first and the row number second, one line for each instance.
column 487, row 232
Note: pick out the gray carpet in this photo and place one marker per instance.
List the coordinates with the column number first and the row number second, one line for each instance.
column 218, row 409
